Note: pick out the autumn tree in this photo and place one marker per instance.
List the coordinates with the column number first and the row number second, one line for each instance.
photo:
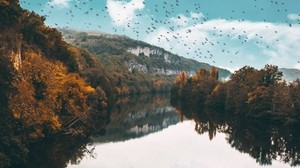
column 194, row 90
column 260, row 102
column 33, row 101
column 237, row 88
column 270, row 75
column 214, row 73
column 203, row 83
column 216, row 99
column 283, row 104
column 178, row 85
column 45, row 93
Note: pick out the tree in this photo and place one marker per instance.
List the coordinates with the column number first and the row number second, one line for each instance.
column 294, row 89
column 270, row 75
column 283, row 105
column 216, row 99
column 240, row 84
column 214, row 73
column 260, row 102
column 178, row 86
column 45, row 93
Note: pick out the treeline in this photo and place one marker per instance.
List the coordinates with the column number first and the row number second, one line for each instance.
column 249, row 93
column 47, row 86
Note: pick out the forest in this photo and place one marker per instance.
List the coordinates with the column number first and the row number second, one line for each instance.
column 46, row 85
column 250, row 93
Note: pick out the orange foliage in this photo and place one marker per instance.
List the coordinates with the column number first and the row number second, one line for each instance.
column 44, row 92
column 181, row 79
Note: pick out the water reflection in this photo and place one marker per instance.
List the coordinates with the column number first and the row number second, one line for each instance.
column 136, row 116
column 265, row 141
column 177, row 146
column 129, row 117
column 58, row 152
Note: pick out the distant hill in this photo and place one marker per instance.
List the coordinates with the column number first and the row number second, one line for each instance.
column 290, row 74
column 135, row 55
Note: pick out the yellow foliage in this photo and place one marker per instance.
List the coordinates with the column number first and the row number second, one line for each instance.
column 55, row 123
column 73, row 95
column 200, row 75
column 181, row 79
column 21, row 105
column 44, row 92
column 89, row 89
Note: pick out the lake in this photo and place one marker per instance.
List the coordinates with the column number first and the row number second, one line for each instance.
column 145, row 131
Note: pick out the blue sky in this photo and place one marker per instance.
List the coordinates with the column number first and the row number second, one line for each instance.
column 229, row 34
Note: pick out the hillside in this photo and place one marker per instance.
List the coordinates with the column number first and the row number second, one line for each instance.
column 136, row 55
column 44, row 84
column 290, row 74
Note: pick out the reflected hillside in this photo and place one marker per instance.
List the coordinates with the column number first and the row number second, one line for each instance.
column 137, row 116
column 263, row 140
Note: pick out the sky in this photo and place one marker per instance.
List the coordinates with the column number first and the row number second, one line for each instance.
column 228, row 34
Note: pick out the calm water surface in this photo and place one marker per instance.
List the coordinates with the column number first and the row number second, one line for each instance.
column 176, row 146
column 148, row 132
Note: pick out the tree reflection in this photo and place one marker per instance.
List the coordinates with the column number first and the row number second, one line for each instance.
column 58, row 152
column 138, row 115
column 263, row 140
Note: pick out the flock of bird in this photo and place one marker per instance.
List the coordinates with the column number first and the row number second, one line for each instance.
column 165, row 14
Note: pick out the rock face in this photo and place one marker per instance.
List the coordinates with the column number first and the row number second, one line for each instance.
column 16, row 56
column 133, row 65
column 164, row 56
column 16, row 59
column 174, row 63
column 146, row 51
column 141, row 51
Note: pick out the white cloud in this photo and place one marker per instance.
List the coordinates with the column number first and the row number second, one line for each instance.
column 60, row 3
column 294, row 16
column 180, row 20
column 257, row 43
column 297, row 66
column 197, row 15
column 123, row 13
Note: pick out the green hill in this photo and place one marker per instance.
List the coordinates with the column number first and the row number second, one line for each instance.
column 135, row 56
